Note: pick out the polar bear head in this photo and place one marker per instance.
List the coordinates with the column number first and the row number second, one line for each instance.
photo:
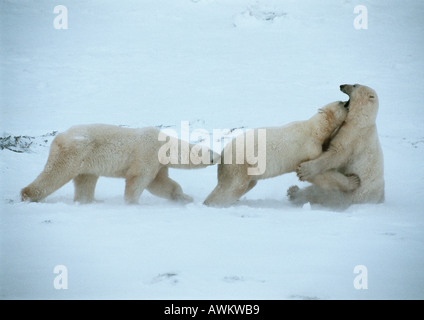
column 335, row 112
column 332, row 115
column 363, row 104
column 329, row 120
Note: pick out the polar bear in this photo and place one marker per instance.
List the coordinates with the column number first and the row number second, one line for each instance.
column 355, row 150
column 286, row 148
column 141, row 156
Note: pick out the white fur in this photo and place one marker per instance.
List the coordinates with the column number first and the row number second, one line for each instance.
column 354, row 151
column 286, row 148
column 83, row 153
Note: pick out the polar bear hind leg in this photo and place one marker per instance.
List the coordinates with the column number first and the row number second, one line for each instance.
column 85, row 185
column 233, row 183
column 45, row 184
column 333, row 180
column 57, row 172
column 134, row 187
column 315, row 195
column 251, row 185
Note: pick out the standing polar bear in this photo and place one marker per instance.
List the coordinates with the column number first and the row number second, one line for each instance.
column 286, row 148
column 354, row 150
column 141, row 156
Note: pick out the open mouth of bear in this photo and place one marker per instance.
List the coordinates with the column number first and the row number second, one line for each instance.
column 347, row 104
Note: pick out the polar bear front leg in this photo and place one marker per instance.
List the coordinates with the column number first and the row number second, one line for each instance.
column 85, row 185
column 336, row 157
column 163, row 186
column 134, row 187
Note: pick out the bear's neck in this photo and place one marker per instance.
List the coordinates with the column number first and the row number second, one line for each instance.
column 361, row 119
column 362, row 114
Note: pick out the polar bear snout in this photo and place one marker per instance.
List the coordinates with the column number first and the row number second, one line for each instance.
column 346, row 88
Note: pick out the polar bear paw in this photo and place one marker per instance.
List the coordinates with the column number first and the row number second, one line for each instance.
column 306, row 171
column 354, row 181
column 295, row 196
column 184, row 198
column 291, row 192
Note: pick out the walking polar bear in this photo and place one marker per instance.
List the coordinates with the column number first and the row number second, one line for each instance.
column 354, row 150
column 286, row 148
column 141, row 156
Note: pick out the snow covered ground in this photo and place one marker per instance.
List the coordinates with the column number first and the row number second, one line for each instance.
column 219, row 64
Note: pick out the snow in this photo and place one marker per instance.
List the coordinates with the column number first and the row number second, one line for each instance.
column 223, row 65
